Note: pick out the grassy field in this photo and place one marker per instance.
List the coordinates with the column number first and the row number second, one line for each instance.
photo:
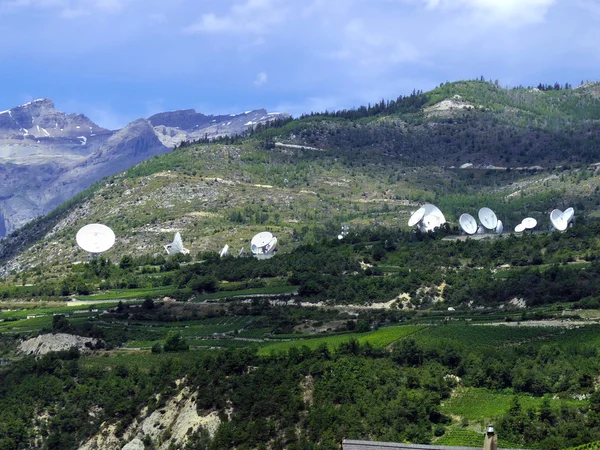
column 378, row 339
column 274, row 290
column 483, row 404
column 471, row 336
column 121, row 294
column 465, row 437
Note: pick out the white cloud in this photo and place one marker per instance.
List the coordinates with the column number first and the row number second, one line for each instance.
column 250, row 16
column 261, row 78
column 366, row 46
column 509, row 12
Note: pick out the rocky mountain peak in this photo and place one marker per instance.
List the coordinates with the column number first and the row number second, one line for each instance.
column 40, row 119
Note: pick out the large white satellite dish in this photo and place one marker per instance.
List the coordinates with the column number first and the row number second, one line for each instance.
column 488, row 218
column 529, row 223
column 568, row 214
column 416, row 216
column 95, row 238
column 558, row 221
column 520, row 228
column 432, row 218
column 224, row 251
column 263, row 243
column 468, row 223
column 500, row 227
column 176, row 246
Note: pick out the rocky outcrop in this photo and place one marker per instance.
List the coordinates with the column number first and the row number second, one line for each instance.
column 46, row 343
column 167, row 427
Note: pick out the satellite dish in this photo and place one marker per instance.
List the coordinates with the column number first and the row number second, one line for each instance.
column 241, row 252
column 519, row 228
column 340, row 237
column 500, row 227
column 224, row 251
column 270, row 248
column 416, row 216
column 432, row 218
column 488, row 218
column 263, row 243
column 529, row 223
column 568, row 215
column 95, row 238
column 558, row 221
column 468, row 223
column 176, row 246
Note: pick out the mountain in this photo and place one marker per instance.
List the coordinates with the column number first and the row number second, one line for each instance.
column 522, row 152
column 47, row 156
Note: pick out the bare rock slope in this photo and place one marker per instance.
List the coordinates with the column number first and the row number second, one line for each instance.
column 46, row 343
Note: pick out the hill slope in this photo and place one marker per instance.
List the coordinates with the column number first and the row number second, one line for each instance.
column 365, row 167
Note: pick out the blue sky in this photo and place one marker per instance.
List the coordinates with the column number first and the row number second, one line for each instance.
column 118, row 60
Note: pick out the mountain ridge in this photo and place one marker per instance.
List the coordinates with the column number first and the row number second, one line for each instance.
column 47, row 156
column 371, row 166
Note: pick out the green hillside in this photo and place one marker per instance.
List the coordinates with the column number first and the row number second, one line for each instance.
column 370, row 166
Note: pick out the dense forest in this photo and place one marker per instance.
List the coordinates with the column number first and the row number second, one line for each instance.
column 356, row 391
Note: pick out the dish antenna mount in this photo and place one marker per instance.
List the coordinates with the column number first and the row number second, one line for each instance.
column 176, row 246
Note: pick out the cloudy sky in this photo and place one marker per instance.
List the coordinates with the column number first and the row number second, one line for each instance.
column 117, row 60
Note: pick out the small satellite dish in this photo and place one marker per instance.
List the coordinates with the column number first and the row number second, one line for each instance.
column 224, row 251
column 519, row 228
column 340, row 237
column 468, row 223
column 568, row 215
column 488, row 218
column 558, row 221
column 529, row 223
column 270, row 248
column 416, row 216
column 95, row 238
column 263, row 243
column 176, row 246
column 500, row 227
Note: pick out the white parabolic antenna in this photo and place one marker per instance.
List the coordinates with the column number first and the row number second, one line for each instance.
column 488, row 218
column 432, row 218
column 558, row 220
column 95, row 238
column 520, row 228
column 263, row 243
column 340, row 237
column 416, row 216
column 568, row 214
column 529, row 223
column 468, row 223
column 224, row 251
column 176, row 246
